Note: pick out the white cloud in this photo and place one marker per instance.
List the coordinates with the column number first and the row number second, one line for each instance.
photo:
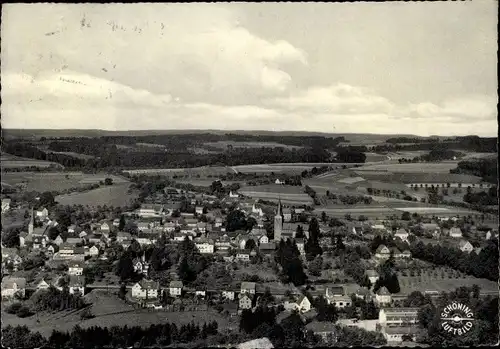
column 337, row 99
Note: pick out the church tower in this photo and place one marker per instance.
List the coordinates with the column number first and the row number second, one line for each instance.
column 278, row 223
column 31, row 224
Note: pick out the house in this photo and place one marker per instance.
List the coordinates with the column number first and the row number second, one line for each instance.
column 42, row 214
column 247, row 287
column 76, row 284
column 396, row 334
column 402, row 234
column 303, row 305
column 357, row 230
column 383, row 297
column 257, row 210
column 122, row 236
column 71, row 228
column 82, row 234
column 200, row 292
column 73, row 241
column 199, row 209
column 228, row 294
column 42, row 285
column 245, row 302
column 150, row 210
column 405, row 254
column 394, row 317
column 116, row 222
column 145, row 289
column 372, row 275
column 243, row 256
column 382, row 252
column 104, row 227
column 268, row 248
column 144, row 239
column 430, row 228
column 126, row 244
column 287, row 215
column 466, row 246
column 278, row 181
column 94, row 251
column 5, row 205
column 233, row 195
column 205, row 246
column 324, row 330
column 39, row 242
column 12, row 286
column 75, row 268
column 455, row 232
column 175, row 288
column 301, row 246
column 22, row 238
column 50, row 250
column 140, row 265
column 340, row 301
column 263, row 239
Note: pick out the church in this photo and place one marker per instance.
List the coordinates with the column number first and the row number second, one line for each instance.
column 286, row 230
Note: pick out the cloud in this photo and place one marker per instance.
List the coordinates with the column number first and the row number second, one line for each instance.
column 465, row 109
column 335, row 99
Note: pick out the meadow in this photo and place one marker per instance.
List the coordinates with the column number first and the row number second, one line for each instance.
column 111, row 311
column 113, row 195
column 288, row 194
column 56, row 181
column 11, row 161
column 224, row 144
column 194, row 171
column 434, row 167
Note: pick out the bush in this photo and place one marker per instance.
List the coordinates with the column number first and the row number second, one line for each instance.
column 13, row 308
column 86, row 314
column 24, row 311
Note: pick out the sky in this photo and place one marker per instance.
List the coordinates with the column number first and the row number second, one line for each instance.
column 423, row 68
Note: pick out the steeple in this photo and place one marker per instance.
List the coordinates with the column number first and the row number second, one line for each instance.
column 31, row 223
column 279, row 213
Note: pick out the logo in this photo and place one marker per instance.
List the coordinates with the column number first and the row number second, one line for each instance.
column 457, row 318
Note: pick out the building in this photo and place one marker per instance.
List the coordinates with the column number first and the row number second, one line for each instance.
column 465, row 246
column 228, row 294
column 150, row 210
column 42, row 285
column 243, row 256
column 94, row 251
column 145, row 289
column 396, row 334
column 397, row 317
column 247, row 287
column 402, row 234
column 5, row 205
column 175, row 288
column 456, row 232
column 42, row 214
column 244, row 302
column 76, row 284
column 261, row 343
column 287, row 215
column 205, row 246
column 372, row 275
column 75, row 268
column 325, row 330
column 303, row 305
column 383, row 296
column 12, row 286
column 382, row 252
column 301, row 246
column 199, row 210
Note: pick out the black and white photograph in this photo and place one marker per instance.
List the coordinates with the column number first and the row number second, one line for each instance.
column 249, row 175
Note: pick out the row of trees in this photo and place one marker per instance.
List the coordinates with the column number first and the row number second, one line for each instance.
column 53, row 299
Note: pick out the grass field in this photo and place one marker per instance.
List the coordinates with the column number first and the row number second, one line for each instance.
column 427, row 282
column 11, row 161
column 205, row 182
column 114, row 195
column 48, row 181
column 373, row 211
column 439, row 167
column 287, row 194
column 170, row 172
column 105, row 308
column 224, row 144
column 265, row 273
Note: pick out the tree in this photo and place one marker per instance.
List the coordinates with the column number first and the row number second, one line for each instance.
column 250, row 244
column 323, row 217
column 47, row 199
column 326, row 312
column 108, row 181
column 125, row 267
column 406, row 216
column 316, row 266
column 299, row 233
column 235, row 220
column 122, row 223
column 11, row 238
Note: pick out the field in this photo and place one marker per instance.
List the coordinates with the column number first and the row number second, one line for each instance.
column 114, row 195
column 265, row 273
column 224, row 144
column 11, row 161
column 372, row 211
column 287, row 194
column 204, row 182
column 55, row 181
column 290, row 168
column 110, row 311
column 170, row 172
column 420, row 176
column 374, row 157
column 433, row 167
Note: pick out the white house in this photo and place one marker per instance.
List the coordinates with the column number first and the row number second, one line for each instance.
column 94, row 251
column 373, row 276
column 278, row 181
column 12, row 286
column 205, row 246
column 383, row 297
column 42, row 285
column 257, row 210
column 247, row 287
column 263, row 239
column 382, row 252
column 228, row 294
column 245, row 302
column 42, row 214
column 175, row 288
column 233, row 195
column 76, row 284
column 150, row 210
column 199, row 209
column 145, row 289
column 466, row 246
column 303, row 305
column 243, row 256
column 5, row 205
column 301, row 246
column 402, row 234
column 392, row 317
column 456, row 232
column 75, row 268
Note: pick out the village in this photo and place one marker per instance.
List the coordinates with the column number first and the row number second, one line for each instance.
column 240, row 240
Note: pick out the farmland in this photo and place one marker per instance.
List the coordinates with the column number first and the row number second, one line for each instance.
column 287, row 194
column 204, row 182
column 195, row 171
column 439, row 167
column 223, row 145
column 114, row 195
column 11, row 161
column 55, row 181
